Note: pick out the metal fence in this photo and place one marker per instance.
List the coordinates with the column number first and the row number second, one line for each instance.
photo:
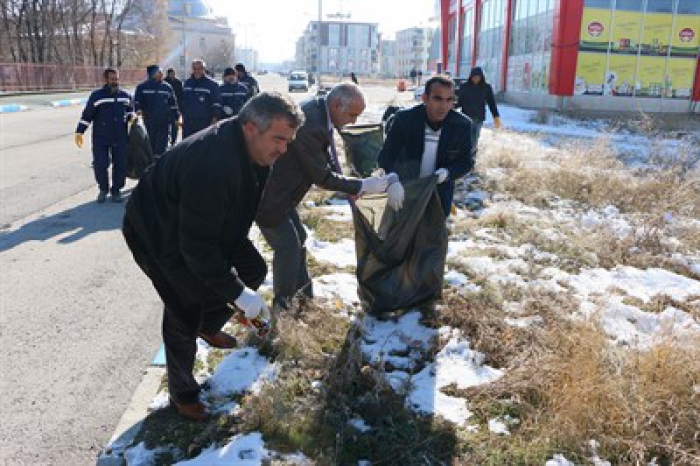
column 18, row 77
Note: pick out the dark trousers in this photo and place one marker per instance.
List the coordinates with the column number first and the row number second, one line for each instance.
column 174, row 128
column 289, row 271
column 183, row 320
column 191, row 126
column 476, row 133
column 158, row 135
column 102, row 157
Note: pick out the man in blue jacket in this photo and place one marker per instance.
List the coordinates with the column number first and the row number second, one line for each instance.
column 201, row 101
column 233, row 94
column 108, row 109
column 430, row 139
column 155, row 101
column 245, row 78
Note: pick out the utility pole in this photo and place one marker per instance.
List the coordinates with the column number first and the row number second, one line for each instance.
column 184, row 39
column 318, row 59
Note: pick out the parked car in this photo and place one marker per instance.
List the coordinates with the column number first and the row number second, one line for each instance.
column 298, row 80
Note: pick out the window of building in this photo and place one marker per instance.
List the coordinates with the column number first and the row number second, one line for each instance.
column 688, row 7
column 660, row 6
column 334, row 35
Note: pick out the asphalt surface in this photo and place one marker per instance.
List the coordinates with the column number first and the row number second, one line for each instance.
column 79, row 322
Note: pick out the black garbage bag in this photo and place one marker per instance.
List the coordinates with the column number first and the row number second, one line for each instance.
column 140, row 154
column 362, row 145
column 400, row 255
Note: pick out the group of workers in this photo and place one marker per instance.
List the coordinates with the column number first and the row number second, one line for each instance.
column 165, row 104
column 188, row 220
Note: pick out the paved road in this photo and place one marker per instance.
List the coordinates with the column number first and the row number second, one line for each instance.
column 79, row 323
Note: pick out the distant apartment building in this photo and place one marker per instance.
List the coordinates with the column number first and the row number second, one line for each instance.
column 249, row 58
column 413, row 49
column 345, row 47
column 388, row 67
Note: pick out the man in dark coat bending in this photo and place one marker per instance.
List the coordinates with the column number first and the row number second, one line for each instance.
column 187, row 225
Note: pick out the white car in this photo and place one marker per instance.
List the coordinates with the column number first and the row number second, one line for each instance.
column 298, row 80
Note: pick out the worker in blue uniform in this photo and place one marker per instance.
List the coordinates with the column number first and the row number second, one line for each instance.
column 233, row 94
column 109, row 110
column 155, row 101
column 201, row 101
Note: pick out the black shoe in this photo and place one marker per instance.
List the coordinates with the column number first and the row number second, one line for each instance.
column 101, row 197
column 117, row 197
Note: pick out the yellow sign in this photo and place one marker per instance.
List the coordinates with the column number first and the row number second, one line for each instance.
column 620, row 78
column 626, row 31
column 686, row 36
column 595, row 30
column 590, row 73
column 656, row 39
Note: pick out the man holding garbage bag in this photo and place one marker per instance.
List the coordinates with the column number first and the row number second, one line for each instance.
column 312, row 160
column 401, row 241
column 430, row 139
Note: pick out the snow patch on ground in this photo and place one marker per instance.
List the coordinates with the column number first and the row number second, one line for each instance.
column 340, row 254
column 498, row 427
column 242, row 450
column 559, row 460
column 140, row 455
column 642, row 284
column 242, row 370
column 337, row 286
column 456, row 364
column 402, row 346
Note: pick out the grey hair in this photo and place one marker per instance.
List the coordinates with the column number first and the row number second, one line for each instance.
column 346, row 93
column 266, row 106
column 199, row 61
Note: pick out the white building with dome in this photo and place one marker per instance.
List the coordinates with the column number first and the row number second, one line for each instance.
column 194, row 31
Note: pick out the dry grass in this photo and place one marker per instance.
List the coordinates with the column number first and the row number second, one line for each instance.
column 326, row 230
column 591, row 173
column 324, row 383
column 567, row 385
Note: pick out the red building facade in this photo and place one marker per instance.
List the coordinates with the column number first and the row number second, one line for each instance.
column 606, row 54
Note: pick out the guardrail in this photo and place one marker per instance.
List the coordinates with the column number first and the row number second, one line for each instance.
column 18, row 77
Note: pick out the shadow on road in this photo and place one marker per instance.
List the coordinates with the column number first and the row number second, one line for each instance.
column 70, row 225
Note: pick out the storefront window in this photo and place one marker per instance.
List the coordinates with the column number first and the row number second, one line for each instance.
column 531, row 44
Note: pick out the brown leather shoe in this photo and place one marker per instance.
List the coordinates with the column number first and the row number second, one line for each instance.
column 194, row 411
column 220, row 340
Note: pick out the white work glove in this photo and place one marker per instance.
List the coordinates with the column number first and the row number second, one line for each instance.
column 442, row 174
column 395, row 191
column 252, row 305
column 374, row 185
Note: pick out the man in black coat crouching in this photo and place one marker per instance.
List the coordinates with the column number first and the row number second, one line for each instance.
column 187, row 225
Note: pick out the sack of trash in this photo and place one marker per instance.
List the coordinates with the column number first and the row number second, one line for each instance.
column 140, row 154
column 362, row 145
column 400, row 254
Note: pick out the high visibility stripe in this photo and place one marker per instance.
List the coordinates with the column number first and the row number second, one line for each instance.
column 202, row 89
column 164, row 92
column 86, row 123
column 103, row 101
column 227, row 94
column 124, row 100
column 149, row 91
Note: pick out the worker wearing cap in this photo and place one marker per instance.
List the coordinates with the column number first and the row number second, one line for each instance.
column 233, row 93
column 245, row 78
column 155, row 101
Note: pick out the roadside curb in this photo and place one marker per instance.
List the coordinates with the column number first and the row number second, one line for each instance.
column 68, row 102
column 12, row 108
column 130, row 423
